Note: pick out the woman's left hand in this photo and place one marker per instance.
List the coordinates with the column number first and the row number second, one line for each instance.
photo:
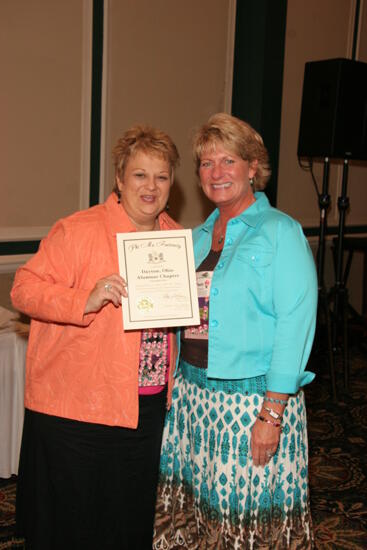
column 264, row 442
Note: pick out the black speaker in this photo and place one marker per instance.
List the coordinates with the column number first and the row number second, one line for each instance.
column 334, row 110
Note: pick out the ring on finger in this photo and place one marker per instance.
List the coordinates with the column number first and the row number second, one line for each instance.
column 269, row 454
column 107, row 287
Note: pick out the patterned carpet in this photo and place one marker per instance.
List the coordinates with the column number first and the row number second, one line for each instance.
column 338, row 455
column 338, row 461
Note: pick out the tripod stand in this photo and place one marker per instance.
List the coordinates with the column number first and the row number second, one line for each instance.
column 339, row 292
column 324, row 203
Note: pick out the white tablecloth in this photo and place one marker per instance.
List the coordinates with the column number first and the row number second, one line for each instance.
column 12, row 374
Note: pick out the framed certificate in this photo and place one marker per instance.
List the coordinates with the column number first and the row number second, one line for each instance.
column 159, row 269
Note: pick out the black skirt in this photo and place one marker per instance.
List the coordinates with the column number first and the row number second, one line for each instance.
column 83, row 485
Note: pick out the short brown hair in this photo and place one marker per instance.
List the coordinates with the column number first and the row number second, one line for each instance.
column 144, row 139
column 238, row 137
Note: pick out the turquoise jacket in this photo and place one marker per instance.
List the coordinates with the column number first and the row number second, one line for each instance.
column 263, row 298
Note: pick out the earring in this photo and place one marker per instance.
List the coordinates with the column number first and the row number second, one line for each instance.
column 251, row 180
column 118, row 193
column 167, row 207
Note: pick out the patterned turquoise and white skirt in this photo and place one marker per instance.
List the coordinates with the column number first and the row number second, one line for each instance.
column 210, row 495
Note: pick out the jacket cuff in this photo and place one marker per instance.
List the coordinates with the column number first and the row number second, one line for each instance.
column 78, row 317
column 286, row 382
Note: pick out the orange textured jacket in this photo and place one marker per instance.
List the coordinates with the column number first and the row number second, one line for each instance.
column 83, row 367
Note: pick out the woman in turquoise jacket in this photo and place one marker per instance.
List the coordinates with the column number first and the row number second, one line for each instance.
column 234, row 459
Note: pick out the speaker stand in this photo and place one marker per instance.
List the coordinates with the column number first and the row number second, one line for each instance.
column 340, row 292
column 324, row 203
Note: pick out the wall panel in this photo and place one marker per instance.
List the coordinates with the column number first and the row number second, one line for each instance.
column 42, row 56
column 315, row 30
column 166, row 65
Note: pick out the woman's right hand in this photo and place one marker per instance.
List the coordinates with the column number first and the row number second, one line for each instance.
column 108, row 289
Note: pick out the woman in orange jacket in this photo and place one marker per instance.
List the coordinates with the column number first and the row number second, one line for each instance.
column 95, row 394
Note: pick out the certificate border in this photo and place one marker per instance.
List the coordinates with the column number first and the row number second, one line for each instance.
column 125, row 243
column 123, row 239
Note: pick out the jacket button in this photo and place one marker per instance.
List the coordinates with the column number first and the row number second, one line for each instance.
column 220, row 265
column 214, row 323
column 215, row 291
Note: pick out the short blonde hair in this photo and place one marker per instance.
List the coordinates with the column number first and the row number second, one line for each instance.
column 236, row 136
column 144, row 139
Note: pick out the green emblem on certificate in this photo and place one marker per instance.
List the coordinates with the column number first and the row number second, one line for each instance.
column 145, row 304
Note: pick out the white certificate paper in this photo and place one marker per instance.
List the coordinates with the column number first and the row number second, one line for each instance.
column 159, row 269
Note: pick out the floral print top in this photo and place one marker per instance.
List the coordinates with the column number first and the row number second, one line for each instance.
column 154, row 359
